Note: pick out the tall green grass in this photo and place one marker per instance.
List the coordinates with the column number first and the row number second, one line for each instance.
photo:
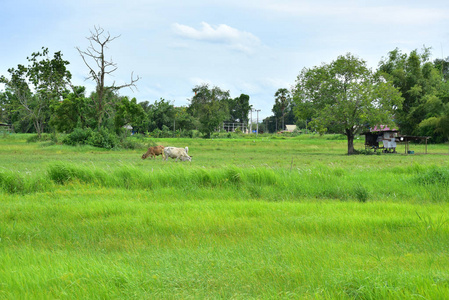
column 266, row 218
column 103, row 243
column 415, row 183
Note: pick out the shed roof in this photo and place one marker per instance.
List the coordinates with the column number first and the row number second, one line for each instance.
column 382, row 128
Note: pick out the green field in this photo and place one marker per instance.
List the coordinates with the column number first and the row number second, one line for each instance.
column 255, row 218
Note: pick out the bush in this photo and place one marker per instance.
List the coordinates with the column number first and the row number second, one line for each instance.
column 44, row 137
column 101, row 138
column 157, row 133
column 131, row 144
column 78, row 136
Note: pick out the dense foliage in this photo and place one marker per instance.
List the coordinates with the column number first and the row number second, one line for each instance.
column 343, row 96
column 346, row 96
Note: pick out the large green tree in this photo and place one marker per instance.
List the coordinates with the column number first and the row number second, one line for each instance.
column 239, row 109
column 72, row 112
column 281, row 105
column 183, row 120
column 129, row 112
column 39, row 85
column 210, row 107
column 161, row 113
column 346, row 96
column 7, row 107
column 419, row 81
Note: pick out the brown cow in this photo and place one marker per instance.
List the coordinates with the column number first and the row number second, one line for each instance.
column 154, row 151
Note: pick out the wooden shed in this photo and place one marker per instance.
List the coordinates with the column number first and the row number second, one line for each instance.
column 385, row 139
column 381, row 138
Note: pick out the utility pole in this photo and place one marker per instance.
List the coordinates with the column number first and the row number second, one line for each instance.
column 257, row 132
column 251, row 120
column 174, row 121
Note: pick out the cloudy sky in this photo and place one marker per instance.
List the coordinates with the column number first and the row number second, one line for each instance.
column 251, row 47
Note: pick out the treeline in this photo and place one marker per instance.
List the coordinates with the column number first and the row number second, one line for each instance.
column 328, row 96
column 43, row 108
column 39, row 97
column 76, row 110
column 409, row 92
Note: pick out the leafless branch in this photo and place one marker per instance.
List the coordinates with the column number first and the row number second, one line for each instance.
column 98, row 42
column 131, row 85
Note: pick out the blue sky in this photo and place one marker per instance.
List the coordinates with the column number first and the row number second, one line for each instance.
column 251, row 47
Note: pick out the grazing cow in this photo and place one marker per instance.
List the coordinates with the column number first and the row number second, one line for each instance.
column 180, row 153
column 154, row 151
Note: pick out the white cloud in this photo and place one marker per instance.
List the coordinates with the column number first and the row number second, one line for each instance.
column 222, row 34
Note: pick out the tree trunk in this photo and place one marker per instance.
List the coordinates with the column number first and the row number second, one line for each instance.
column 37, row 127
column 350, row 136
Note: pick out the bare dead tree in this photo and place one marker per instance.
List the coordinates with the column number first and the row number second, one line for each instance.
column 99, row 67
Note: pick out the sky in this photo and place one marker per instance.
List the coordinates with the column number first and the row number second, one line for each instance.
column 244, row 47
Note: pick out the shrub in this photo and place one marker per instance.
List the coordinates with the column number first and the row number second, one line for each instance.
column 131, row 144
column 78, row 136
column 102, row 138
column 44, row 137
column 33, row 139
column 157, row 133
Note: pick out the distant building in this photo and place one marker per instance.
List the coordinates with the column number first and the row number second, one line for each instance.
column 288, row 129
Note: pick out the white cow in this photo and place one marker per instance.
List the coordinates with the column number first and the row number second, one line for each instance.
column 180, row 153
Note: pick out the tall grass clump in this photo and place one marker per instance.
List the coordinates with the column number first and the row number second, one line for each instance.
column 322, row 182
column 361, row 193
column 129, row 178
column 434, row 175
column 261, row 176
column 12, row 182
column 203, row 177
column 233, row 176
column 16, row 183
column 169, row 177
column 62, row 173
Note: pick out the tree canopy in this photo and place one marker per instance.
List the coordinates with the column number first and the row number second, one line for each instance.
column 345, row 96
column 282, row 105
column 407, row 91
column 425, row 89
column 210, row 106
column 38, row 86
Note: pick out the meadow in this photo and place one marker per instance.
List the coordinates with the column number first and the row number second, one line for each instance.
column 249, row 218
